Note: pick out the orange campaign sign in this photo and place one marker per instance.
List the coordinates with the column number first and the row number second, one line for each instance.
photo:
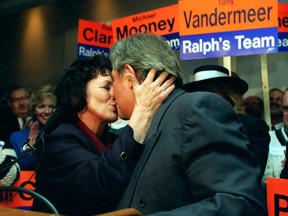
column 223, row 16
column 93, row 38
column 219, row 28
column 283, row 27
column 18, row 199
column 163, row 21
column 277, row 196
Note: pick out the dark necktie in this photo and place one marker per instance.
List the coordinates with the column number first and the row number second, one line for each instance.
column 24, row 123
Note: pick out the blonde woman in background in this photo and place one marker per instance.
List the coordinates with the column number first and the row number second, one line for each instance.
column 43, row 102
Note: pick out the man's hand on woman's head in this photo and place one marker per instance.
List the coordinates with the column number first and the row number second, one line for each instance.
column 149, row 95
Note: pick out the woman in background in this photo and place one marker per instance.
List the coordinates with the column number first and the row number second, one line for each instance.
column 43, row 102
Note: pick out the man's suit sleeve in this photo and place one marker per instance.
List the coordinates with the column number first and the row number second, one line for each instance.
column 257, row 132
column 221, row 172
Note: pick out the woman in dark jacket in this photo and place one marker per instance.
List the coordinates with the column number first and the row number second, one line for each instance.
column 84, row 169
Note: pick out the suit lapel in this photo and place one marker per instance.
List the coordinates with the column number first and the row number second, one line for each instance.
column 150, row 141
column 160, row 113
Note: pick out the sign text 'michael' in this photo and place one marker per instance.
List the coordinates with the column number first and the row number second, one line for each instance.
column 163, row 21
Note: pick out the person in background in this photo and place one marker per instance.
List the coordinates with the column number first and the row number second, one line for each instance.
column 216, row 79
column 278, row 145
column 43, row 102
column 196, row 160
column 254, row 106
column 84, row 168
column 18, row 117
column 275, row 99
column 284, row 172
column 9, row 171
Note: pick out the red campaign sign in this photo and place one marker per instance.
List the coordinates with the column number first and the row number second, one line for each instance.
column 283, row 27
column 283, row 18
column 277, row 196
column 94, row 34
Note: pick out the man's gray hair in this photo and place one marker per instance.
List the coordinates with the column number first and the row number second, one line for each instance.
column 145, row 51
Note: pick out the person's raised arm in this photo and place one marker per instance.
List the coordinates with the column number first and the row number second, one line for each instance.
column 30, row 141
column 149, row 95
column 33, row 132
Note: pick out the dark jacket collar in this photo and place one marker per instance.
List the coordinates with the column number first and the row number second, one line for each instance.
column 158, row 116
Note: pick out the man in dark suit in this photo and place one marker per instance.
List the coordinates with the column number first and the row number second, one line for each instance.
column 217, row 79
column 17, row 116
column 196, row 160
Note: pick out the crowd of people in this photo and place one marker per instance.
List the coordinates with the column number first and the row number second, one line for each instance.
column 182, row 149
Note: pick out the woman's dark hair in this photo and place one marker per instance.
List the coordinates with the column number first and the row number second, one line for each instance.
column 70, row 90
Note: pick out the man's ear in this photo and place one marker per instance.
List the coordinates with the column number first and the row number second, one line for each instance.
column 128, row 71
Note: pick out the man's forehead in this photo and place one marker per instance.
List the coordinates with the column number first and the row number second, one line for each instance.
column 20, row 92
column 276, row 94
column 252, row 99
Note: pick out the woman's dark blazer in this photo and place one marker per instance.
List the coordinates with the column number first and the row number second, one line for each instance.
column 78, row 180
